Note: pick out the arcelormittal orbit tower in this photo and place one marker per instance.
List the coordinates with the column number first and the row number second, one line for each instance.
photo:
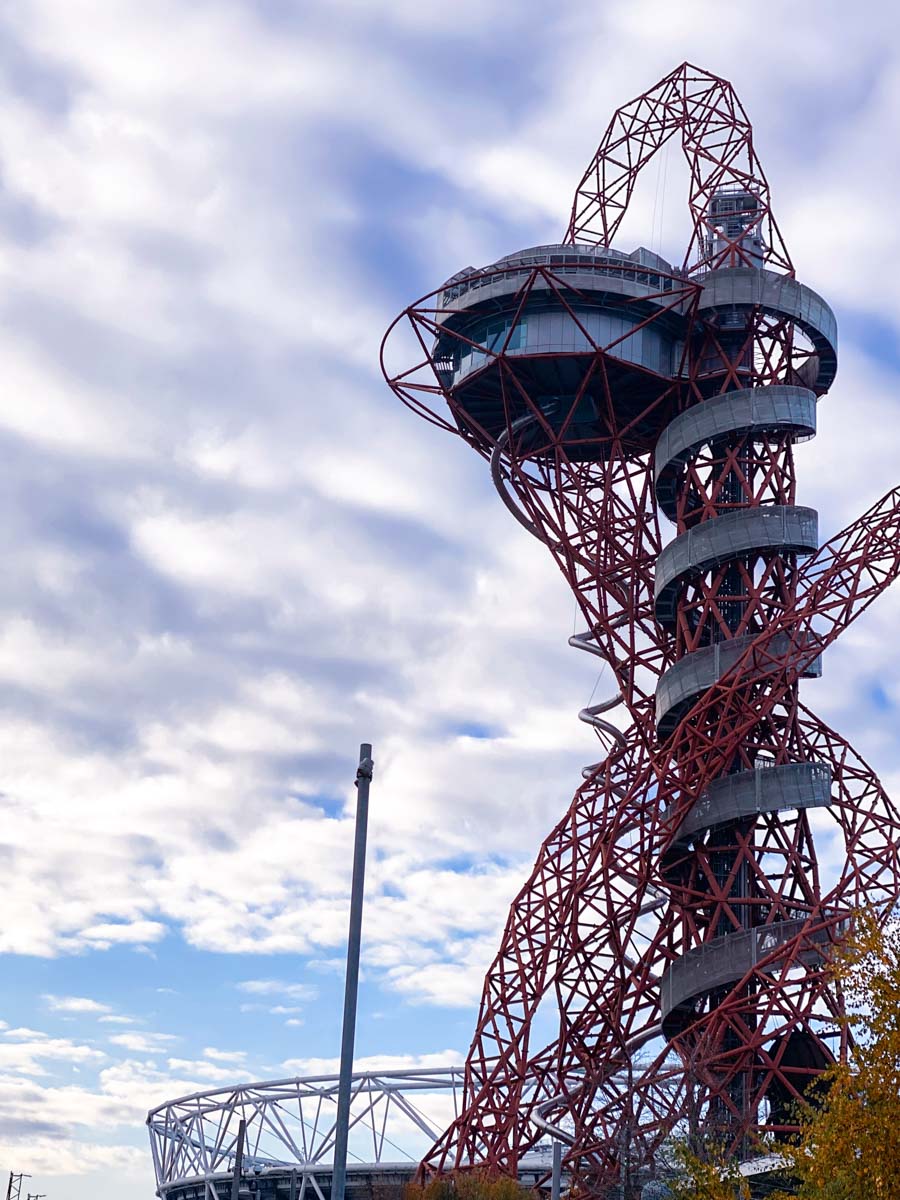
column 676, row 919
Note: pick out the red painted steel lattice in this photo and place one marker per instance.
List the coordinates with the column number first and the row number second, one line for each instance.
column 676, row 917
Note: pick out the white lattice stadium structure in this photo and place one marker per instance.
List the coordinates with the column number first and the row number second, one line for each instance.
column 395, row 1117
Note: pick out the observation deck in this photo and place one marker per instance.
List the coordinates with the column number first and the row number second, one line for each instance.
column 533, row 323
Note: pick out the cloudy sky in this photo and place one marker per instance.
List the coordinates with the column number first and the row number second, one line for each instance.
column 230, row 555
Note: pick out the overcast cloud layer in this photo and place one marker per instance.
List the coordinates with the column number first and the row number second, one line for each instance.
column 230, row 555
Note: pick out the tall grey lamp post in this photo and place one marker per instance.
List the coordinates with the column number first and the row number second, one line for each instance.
column 238, row 1160
column 351, row 986
column 556, row 1177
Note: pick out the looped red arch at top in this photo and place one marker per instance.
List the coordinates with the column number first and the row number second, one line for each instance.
column 717, row 141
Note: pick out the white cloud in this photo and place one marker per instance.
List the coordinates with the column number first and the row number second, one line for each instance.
column 376, row 1062
column 143, row 1043
column 209, row 1072
column 133, row 1086
column 75, row 1004
column 82, row 1123
column 29, row 1053
column 107, row 933
column 53, row 1157
column 225, row 1056
column 327, row 966
column 277, row 987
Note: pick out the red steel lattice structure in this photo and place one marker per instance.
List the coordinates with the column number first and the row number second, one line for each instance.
column 676, row 917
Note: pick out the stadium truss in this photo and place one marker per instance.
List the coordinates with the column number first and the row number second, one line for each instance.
column 290, row 1133
column 678, row 908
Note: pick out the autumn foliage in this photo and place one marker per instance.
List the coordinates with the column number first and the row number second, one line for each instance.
column 849, row 1142
column 849, row 1147
column 467, row 1185
column 705, row 1174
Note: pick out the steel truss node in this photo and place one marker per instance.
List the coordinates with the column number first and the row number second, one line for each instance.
column 676, row 916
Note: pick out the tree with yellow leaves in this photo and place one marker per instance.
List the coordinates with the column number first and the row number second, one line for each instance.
column 849, row 1144
column 704, row 1173
column 467, row 1185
